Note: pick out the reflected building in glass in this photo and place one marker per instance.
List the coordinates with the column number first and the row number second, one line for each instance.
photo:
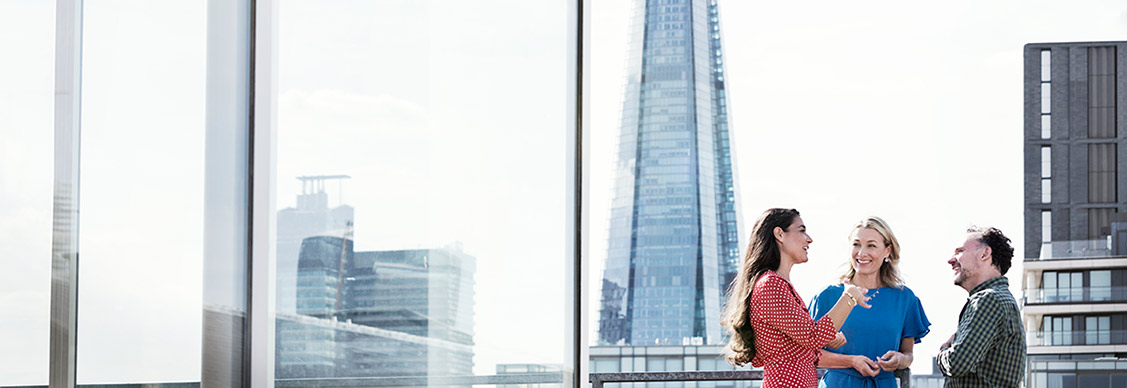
column 312, row 216
column 674, row 230
column 378, row 313
column 369, row 313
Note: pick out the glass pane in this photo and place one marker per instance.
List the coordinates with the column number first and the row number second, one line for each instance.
column 1046, row 162
column 421, row 189
column 1046, row 190
column 1105, row 330
column 1047, row 329
column 1091, row 330
column 1077, row 291
column 1046, row 98
column 142, row 192
column 1046, row 65
column 1100, row 282
column 1046, row 230
column 27, row 33
column 1046, row 126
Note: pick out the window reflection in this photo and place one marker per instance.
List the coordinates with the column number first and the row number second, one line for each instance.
column 421, row 189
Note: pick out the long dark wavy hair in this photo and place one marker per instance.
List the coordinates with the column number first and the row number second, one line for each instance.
column 762, row 255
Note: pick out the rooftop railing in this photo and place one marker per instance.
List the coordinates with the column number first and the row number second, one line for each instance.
column 599, row 379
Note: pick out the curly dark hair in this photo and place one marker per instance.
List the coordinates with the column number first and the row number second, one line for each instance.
column 1002, row 253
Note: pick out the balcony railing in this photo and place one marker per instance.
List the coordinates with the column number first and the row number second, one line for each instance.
column 1076, row 249
column 1077, row 338
column 598, row 379
column 1075, row 295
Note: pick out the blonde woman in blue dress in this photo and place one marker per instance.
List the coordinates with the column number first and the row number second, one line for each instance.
column 880, row 339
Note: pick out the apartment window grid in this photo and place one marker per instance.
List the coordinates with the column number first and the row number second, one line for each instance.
column 1046, row 174
column 1046, row 94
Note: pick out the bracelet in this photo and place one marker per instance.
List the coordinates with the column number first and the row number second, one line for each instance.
column 852, row 300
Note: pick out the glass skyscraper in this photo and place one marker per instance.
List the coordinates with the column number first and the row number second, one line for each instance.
column 673, row 240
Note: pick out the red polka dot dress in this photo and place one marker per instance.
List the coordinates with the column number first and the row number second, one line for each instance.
column 787, row 340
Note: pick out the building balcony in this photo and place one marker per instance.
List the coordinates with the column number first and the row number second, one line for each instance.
column 1076, row 249
column 1075, row 295
column 1076, row 338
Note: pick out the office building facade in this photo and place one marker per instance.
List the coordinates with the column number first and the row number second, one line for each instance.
column 1075, row 268
column 673, row 244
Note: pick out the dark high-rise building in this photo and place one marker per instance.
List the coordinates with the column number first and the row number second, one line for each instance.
column 673, row 239
column 311, row 217
column 1075, row 267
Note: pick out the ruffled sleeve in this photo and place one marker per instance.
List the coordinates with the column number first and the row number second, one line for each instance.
column 916, row 324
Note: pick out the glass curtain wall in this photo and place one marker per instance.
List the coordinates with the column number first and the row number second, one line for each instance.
column 425, row 185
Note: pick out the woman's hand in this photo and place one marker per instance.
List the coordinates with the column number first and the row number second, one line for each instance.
column 837, row 342
column 893, row 360
column 864, row 366
column 858, row 294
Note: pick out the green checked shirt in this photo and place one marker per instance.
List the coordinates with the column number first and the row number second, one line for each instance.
column 989, row 345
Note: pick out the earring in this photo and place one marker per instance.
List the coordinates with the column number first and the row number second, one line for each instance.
column 886, row 260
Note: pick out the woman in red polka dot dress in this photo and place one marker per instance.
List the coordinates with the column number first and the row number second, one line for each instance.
column 768, row 323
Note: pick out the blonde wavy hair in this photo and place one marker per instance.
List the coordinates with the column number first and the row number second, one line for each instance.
column 889, row 272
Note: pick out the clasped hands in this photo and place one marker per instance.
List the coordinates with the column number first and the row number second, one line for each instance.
column 890, row 361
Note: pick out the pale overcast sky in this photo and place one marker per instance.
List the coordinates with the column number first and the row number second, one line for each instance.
column 451, row 112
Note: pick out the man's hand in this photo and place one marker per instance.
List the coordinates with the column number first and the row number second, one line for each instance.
column 837, row 342
column 947, row 344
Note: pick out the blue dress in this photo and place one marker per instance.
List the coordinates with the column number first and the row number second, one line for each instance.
column 896, row 314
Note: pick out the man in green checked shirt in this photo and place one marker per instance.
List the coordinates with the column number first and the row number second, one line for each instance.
column 988, row 348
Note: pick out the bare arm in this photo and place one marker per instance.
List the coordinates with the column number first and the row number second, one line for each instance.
column 861, row 364
column 852, row 296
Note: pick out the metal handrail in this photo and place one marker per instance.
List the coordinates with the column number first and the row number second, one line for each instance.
column 598, row 379
column 1075, row 294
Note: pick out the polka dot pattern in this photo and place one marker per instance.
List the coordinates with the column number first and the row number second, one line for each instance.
column 787, row 340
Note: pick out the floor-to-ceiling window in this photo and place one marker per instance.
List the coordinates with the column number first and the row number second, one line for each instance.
column 421, row 190
column 26, row 39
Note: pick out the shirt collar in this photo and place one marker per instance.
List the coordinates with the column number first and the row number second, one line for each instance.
column 993, row 282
